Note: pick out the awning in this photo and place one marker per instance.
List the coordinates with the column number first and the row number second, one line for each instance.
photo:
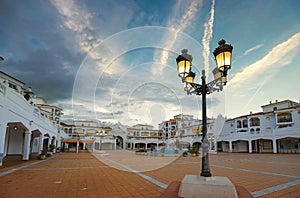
column 183, row 143
column 75, row 140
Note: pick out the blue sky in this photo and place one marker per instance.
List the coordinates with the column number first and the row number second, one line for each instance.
column 115, row 60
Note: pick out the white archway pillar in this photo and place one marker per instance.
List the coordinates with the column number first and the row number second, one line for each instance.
column 2, row 141
column 274, row 146
column 250, row 146
column 26, row 147
column 230, row 146
column 40, row 144
column 77, row 146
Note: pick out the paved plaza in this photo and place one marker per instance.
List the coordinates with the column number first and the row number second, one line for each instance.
column 121, row 173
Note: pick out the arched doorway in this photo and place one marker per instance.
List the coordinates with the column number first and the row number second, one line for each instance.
column 17, row 141
column 35, row 141
column 119, row 142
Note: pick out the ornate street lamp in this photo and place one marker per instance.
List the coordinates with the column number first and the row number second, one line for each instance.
column 223, row 60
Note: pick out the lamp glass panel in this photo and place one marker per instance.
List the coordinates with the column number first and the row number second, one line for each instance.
column 189, row 79
column 220, row 60
column 227, row 58
column 183, row 68
column 217, row 74
column 224, row 79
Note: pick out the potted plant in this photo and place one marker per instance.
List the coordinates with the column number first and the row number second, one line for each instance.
column 194, row 151
column 184, row 154
column 51, row 147
column 43, row 155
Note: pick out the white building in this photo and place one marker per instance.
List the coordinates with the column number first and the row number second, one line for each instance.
column 143, row 136
column 186, row 130
column 276, row 129
column 85, row 134
column 26, row 127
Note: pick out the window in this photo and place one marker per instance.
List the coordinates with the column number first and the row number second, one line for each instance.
column 13, row 86
column 254, row 122
column 239, row 124
column 284, row 117
column 252, row 131
column 245, row 123
column 258, row 130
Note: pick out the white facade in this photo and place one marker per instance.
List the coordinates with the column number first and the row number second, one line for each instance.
column 143, row 136
column 180, row 126
column 24, row 127
column 276, row 129
column 87, row 134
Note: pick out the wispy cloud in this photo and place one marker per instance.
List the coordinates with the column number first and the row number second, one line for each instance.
column 78, row 20
column 253, row 48
column 184, row 22
column 258, row 72
column 208, row 31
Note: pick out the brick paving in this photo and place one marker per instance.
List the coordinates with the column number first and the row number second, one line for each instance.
column 85, row 175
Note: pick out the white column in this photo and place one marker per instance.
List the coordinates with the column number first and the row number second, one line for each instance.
column 93, row 146
column 146, row 146
column 133, row 145
column 77, row 146
column 230, row 146
column 250, row 146
column 54, row 142
column 40, row 143
column 274, row 146
column 216, row 145
column 26, row 148
column 115, row 144
column 2, row 141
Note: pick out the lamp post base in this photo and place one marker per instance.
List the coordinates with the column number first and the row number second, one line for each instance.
column 198, row 186
column 205, row 174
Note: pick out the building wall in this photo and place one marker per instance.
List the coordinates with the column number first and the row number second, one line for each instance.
column 269, row 135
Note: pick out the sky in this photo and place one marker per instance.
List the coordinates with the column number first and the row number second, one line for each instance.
column 114, row 61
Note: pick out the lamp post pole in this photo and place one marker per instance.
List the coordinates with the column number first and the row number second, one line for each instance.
column 184, row 62
column 205, row 171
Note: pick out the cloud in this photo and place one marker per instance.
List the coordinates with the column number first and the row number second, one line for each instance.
column 77, row 19
column 262, row 70
column 253, row 48
column 208, row 31
column 178, row 26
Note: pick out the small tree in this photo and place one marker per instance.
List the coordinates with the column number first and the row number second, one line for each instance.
column 51, row 147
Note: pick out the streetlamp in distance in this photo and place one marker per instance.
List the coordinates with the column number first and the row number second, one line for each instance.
column 184, row 64
column 102, row 134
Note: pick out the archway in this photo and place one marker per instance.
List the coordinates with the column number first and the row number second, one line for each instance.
column 35, row 143
column 17, row 142
column 119, row 142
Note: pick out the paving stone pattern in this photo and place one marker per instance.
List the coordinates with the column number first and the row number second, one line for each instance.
column 121, row 174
